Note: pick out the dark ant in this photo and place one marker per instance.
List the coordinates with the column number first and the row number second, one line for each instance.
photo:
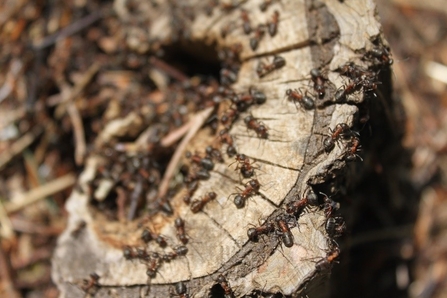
column 286, row 234
column 225, row 286
column 382, row 54
column 227, row 77
column 304, row 100
column 297, row 206
column 245, row 165
column 254, row 233
column 265, row 4
column 213, row 153
column 260, row 129
column 180, row 226
column 178, row 251
column 180, row 290
column 245, row 21
column 354, row 147
column 154, row 264
column 348, row 89
column 264, row 69
column 251, row 187
column 340, row 130
column 273, row 25
column 259, row 34
column 205, row 162
column 335, row 226
column 326, row 262
column 242, row 102
column 191, row 188
column 226, row 138
column 197, row 205
column 229, row 116
column 129, row 253
column 257, row 95
column 318, row 80
column 148, row 236
column 91, row 285
column 329, row 206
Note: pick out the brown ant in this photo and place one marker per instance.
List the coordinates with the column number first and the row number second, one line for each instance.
column 304, row 100
column 381, row 54
column 226, row 138
column 178, row 251
column 259, row 34
column 153, row 265
column 129, row 253
column 348, row 89
column 180, row 226
column 245, row 21
column 91, row 285
column 251, row 187
column 148, row 236
column 197, row 205
column 296, row 207
column 318, row 80
column 191, row 188
column 204, row 162
column 286, row 234
column 273, row 25
column 264, row 69
column 329, row 206
column 340, row 130
column 254, row 233
column 245, row 165
column 214, row 154
column 227, row 77
column 260, row 129
column 228, row 118
column 180, row 290
column 354, row 147
column 242, row 102
column 326, row 262
column 225, row 286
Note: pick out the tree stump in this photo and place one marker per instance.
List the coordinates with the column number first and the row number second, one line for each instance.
column 290, row 160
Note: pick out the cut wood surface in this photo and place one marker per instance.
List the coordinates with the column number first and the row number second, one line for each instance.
column 290, row 161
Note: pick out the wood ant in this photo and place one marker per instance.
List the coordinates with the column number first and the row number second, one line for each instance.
column 264, row 69
column 297, row 206
column 354, row 147
column 346, row 90
column 180, row 290
column 273, row 24
column 259, row 34
column 304, row 100
column 178, row 251
column 229, row 117
column 226, row 138
column 329, row 206
column 245, row 165
column 214, row 154
column 191, row 189
column 381, row 54
column 286, row 234
column 129, row 253
column 148, row 236
column 254, row 233
column 180, row 227
column 227, row 77
column 153, row 265
column 326, row 262
column 204, row 162
column 335, row 226
column 90, row 286
column 251, row 187
column 318, row 80
column 197, row 205
column 245, row 21
column 340, row 130
column 225, row 286
column 260, row 129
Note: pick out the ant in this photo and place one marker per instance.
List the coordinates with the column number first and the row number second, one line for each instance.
column 228, row 118
column 244, row 164
column 260, row 129
column 286, row 234
column 180, row 290
column 251, row 187
column 191, row 188
column 340, row 130
column 380, row 53
column 335, row 226
column 318, row 80
column 153, row 264
column 273, row 25
column 226, row 138
column 178, row 251
column 296, row 207
column 254, row 233
column 225, row 286
column 148, row 236
column 259, row 34
column 348, row 89
column 129, row 253
column 205, row 162
column 326, row 262
column 257, row 95
column 197, row 205
column 264, row 69
column 213, row 153
column 180, row 226
column 329, row 206
column 227, row 77
column 354, row 147
column 91, row 285
column 305, row 101
column 245, row 21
